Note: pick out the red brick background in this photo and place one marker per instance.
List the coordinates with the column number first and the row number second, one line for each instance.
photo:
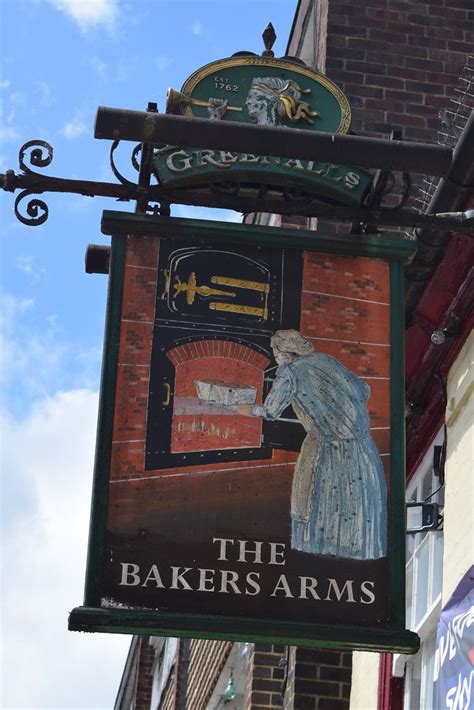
column 344, row 310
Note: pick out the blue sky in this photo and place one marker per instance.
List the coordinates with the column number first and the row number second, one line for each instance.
column 60, row 60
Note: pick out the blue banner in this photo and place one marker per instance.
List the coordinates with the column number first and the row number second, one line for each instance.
column 454, row 660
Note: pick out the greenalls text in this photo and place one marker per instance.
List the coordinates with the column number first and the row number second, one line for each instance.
column 181, row 162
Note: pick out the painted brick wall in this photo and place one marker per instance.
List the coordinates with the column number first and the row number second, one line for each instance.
column 345, row 312
column 136, row 332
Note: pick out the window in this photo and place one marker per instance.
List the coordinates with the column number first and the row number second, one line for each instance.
column 424, row 573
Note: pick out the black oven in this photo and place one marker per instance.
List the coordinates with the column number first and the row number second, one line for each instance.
column 216, row 309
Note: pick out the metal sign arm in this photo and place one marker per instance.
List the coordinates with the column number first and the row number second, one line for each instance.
column 162, row 129
column 33, row 184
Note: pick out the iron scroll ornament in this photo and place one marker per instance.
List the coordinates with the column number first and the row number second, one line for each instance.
column 39, row 154
column 36, row 209
column 133, row 159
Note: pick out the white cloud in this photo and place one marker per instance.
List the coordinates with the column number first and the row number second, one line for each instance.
column 197, row 28
column 27, row 265
column 48, row 471
column 13, row 308
column 75, row 128
column 31, row 356
column 34, row 357
column 89, row 13
column 5, row 84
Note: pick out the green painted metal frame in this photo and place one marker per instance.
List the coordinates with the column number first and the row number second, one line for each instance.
column 91, row 617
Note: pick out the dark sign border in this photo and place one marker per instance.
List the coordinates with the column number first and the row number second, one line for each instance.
column 91, row 617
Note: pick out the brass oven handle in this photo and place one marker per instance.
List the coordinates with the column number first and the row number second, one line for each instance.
column 166, row 400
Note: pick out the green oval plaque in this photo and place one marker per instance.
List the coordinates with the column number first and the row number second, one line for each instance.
column 274, row 92
column 267, row 92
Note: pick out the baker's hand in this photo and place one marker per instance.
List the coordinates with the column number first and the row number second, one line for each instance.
column 244, row 409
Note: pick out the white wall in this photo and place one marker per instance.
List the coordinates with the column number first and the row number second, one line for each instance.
column 459, row 494
column 365, row 676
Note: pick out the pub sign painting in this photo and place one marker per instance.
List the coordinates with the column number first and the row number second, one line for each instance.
column 249, row 474
column 212, row 506
column 247, row 466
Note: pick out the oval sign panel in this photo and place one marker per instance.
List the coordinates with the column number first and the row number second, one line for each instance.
column 265, row 91
column 247, row 88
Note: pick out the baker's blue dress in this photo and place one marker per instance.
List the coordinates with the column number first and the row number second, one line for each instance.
column 339, row 497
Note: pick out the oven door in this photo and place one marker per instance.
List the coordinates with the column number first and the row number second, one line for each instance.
column 216, row 310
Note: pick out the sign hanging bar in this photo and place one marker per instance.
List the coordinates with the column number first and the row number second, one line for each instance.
column 162, row 129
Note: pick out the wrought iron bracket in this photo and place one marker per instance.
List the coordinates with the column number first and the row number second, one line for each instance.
column 156, row 199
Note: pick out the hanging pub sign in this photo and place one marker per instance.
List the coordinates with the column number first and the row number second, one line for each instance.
column 267, row 92
column 249, row 479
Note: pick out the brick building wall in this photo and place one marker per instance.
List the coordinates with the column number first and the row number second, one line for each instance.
column 206, row 661
column 144, row 681
column 322, row 679
column 296, row 678
column 396, row 60
column 266, row 675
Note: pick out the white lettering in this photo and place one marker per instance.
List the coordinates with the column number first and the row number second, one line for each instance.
column 270, row 160
column 459, row 696
column 249, row 158
column 178, row 578
column 293, row 163
column 351, row 180
column 223, row 546
column 253, row 584
column 153, row 574
column 184, row 163
column 229, row 579
column 276, row 553
column 282, row 586
column 333, row 586
column 126, row 573
column 207, row 157
column 329, row 173
column 308, row 584
column 204, row 580
column 257, row 553
column 450, row 641
column 228, row 157
column 370, row 594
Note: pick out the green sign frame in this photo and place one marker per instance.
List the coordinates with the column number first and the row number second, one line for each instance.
column 391, row 636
